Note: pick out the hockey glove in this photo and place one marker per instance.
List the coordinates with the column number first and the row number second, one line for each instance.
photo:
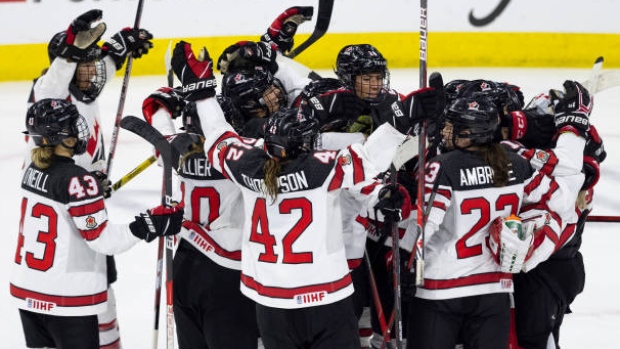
column 509, row 245
column 593, row 154
column 532, row 129
column 283, row 28
column 339, row 107
column 572, row 108
column 394, row 203
column 428, row 103
column 157, row 222
column 165, row 97
column 106, row 184
column 248, row 54
column 79, row 42
column 195, row 73
column 128, row 41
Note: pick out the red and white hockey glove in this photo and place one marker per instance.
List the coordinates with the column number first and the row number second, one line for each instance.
column 195, row 73
column 281, row 31
column 507, row 247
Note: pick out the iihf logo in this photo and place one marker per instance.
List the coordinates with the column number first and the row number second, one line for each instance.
column 311, row 297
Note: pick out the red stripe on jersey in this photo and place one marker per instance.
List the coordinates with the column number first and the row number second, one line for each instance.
column 470, row 280
column 443, row 192
column 290, row 293
column 338, row 178
column 553, row 187
column 63, row 301
column 369, row 188
column 358, row 167
column 550, row 164
column 107, row 326
column 534, row 183
column 354, row 263
column 92, row 234
column 200, row 230
column 440, row 205
column 567, row 234
column 114, row 345
column 221, row 160
column 88, row 209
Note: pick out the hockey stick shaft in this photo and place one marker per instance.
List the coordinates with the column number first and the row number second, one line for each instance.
column 133, row 173
column 608, row 219
column 123, row 96
column 322, row 23
column 150, row 134
column 419, row 250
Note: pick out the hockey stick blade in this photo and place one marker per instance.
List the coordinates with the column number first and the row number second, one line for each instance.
column 151, row 135
column 322, row 23
column 405, row 152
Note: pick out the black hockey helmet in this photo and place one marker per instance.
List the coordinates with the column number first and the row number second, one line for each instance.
column 290, row 132
column 354, row 60
column 502, row 94
column 477, row 117
column 246, row 90
column 50, row 120
column 453, row 89
column 90, row 75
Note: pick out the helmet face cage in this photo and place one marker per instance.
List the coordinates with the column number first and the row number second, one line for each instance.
column 289, row 133
column 355, row 60
column 475, row 119
column 245, row 89
column 89, row 80
column 49, row 121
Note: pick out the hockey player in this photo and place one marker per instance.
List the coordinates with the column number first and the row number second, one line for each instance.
column 59, row 278
column 79, row 70
column 465, row 292
column 209, row 309
column 303, row 293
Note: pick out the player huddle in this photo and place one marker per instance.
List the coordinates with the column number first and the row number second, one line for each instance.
column 289, row 192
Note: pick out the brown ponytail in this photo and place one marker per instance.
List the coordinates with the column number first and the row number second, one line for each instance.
column 495, row 156
column 272, row 170
column 42, row 157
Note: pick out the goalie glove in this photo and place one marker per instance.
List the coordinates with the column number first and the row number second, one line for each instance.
column 509, row 243
column 283, row 28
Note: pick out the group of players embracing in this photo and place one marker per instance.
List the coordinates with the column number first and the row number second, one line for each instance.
column 285, row 185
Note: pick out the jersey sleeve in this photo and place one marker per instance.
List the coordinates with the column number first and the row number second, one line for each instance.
column 438, row 182
column 55, row 82
column 86, row 207
column 564, row 160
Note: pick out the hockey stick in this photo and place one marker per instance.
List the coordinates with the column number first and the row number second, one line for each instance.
column 419, row 246
column 121, row 101
column 593, row 81
column 150, row 134
column 608, row 219
column 133, row 173
column 322, row 23
column 377, row 299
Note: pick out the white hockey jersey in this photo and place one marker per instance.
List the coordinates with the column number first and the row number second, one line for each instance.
column 64, row 237
column 292, row 249
column 458, row 260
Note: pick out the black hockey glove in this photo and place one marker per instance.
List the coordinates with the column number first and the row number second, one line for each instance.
column 394, row 203
column 106, row 184
column 195, row 73
column 165, row 97
column 134, row 41
column 572, row 108
column 594, row 145
column 79, row 42
column 530, row 128
column 156, row 222
column 283, row 28
column 247, row 55
column 335, row 109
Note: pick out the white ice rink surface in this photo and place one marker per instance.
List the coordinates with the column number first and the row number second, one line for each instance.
column 596, row 312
